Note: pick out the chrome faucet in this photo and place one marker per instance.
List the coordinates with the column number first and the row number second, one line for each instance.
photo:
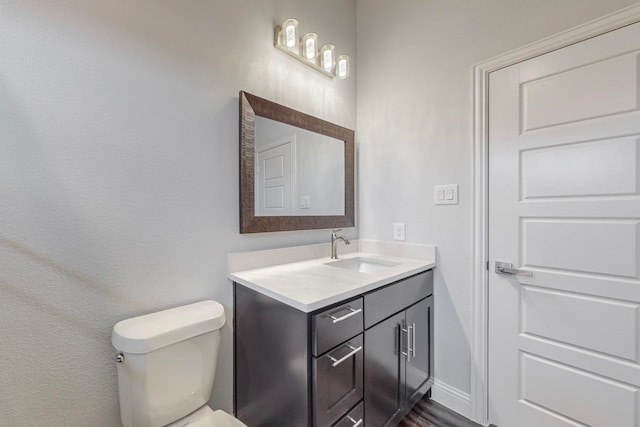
column 334, row 242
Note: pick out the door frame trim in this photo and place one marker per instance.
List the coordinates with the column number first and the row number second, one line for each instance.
column 480, row 301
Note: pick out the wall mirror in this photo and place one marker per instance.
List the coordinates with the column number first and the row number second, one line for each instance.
column 296, row 171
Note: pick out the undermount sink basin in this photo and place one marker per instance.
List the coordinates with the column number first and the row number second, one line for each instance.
column 362, row 265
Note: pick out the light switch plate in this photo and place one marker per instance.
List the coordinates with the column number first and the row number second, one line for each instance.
column 305, row 202
column 398, row 231
column 445, row 194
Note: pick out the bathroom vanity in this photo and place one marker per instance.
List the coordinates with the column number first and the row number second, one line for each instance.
column 333, row 343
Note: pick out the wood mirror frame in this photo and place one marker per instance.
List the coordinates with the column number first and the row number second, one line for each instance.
column 252, row 106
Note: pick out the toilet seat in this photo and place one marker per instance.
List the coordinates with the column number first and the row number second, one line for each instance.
column 206, row 417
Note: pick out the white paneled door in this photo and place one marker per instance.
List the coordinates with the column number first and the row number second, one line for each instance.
column 275, row 181
column 564, row 206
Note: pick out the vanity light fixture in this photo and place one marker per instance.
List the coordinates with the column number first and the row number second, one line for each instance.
column 305, row 50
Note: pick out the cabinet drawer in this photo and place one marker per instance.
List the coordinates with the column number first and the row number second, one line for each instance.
column 355, row 417
column 384, row 302
column 336, row 325
column 338, row 381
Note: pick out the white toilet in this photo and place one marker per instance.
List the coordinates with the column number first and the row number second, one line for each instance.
column 167, row 367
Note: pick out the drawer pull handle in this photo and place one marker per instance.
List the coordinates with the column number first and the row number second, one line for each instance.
column 355, row 423
column 336, row 362
column 352, row 312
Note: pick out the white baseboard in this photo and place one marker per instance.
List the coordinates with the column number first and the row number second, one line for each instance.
column 452, row 398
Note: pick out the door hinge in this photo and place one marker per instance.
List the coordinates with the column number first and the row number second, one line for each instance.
column 487, row 265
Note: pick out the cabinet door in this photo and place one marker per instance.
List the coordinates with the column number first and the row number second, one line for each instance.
column 418, row 372
column 384, row 373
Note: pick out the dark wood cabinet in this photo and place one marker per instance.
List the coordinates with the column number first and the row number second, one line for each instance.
column 383, row 372
column 398, row 350
column 364, row 361
column 419, row 358
column 272, row 362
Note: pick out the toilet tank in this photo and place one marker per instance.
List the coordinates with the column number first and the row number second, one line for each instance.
column 169, row 362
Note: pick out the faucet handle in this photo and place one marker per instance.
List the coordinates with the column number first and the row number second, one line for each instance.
column 336, row 230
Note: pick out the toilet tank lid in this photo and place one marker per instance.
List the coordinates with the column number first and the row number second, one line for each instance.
column 150, row 332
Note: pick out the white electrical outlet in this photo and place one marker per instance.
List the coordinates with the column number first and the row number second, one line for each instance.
column 445, row 194
column 398, row 231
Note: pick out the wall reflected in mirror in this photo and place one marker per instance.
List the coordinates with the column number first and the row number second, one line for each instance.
column 298, row 172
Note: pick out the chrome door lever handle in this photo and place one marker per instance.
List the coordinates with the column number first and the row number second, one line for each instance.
column 507, row 268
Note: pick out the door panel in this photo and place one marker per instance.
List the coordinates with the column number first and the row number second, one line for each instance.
column 583, row 359
column 564, row 204
column 384, row 391
column 577, row 394
column 419, row 317
column 600, row 246
column 578, row 320
column 553, row 100
column 545, row 173
column 275, row 179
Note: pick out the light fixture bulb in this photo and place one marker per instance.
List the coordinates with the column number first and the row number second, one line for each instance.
column 290, row 33
column 342, row 67
column 327, row 58
column 310, row 46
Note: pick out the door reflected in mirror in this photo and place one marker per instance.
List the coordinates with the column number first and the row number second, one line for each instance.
column 298, row 172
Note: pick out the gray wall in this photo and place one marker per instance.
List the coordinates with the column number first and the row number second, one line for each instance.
column 415, row 130
column 119, row 176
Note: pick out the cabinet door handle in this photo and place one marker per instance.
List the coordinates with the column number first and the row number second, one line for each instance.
column 413, row 339
column 355, row 423
column 352, row 312
column 353, row 351
column 408, row 332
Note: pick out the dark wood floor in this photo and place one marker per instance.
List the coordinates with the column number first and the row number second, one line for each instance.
column 428, row 413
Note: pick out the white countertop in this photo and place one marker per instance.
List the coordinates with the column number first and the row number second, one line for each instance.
column 311, row 284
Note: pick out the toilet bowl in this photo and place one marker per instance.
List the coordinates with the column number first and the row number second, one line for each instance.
column 167, row 365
